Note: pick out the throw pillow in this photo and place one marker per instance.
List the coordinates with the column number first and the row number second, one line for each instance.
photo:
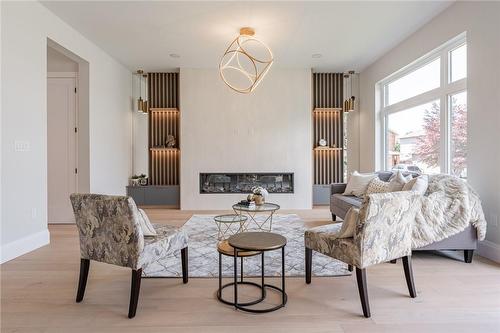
column 147, row 228
column 358, row 183
column 407, row 177
column 377, row 186
column 349, row 225
column 418, row 184
column 398, row 181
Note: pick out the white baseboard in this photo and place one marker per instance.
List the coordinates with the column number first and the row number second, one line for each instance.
column 489, row 250
column 24, row 245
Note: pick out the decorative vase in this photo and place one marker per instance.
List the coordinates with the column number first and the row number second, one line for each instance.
column 259, row 199
column 143, row 181
column 134, row 182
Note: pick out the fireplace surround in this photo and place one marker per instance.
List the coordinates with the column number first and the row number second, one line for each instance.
column 226, row 182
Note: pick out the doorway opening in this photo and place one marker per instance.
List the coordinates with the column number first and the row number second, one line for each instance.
column 67, row 131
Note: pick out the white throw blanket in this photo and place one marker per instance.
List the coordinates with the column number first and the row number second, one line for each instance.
column 449, row 206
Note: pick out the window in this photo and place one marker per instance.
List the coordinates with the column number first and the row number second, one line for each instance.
column 413, row 138
column 458, row 126
column 424, row 113
column 421, row 80
column 458, row 63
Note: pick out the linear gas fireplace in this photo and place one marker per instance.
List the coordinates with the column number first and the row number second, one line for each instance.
column 211, row 183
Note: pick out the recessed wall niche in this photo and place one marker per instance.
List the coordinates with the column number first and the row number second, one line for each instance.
column 163, row 143
column 328, row 134
column 164, row 133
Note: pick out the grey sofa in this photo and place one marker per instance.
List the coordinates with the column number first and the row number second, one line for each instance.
column 465, row 240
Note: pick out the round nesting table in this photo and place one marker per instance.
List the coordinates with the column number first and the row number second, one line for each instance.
column 259, row 242
column 267, row 208
column 229, row 224
column 224, row 248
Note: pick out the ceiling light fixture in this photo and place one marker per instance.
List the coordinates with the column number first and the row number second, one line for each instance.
column 349, row 103
column 317, row 55
column 142, row 104
column 242, row 69
column 174, row 55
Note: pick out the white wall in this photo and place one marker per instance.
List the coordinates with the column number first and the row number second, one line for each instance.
column 266, row 131
column 25, row 27
column 58, row 62
column 140, row 145
column 481, row 21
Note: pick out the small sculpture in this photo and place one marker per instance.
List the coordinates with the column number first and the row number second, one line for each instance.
column 322, row 142
column 170, row 143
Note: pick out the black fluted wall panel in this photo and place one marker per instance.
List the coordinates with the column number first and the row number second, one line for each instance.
column 328, row 90
column 163, row 90
column 328, row 124
column 163, row 99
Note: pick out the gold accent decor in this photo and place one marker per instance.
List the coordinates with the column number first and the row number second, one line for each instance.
column 349, row 104
column 142, row 104
column 247, row 31
column 238, row 68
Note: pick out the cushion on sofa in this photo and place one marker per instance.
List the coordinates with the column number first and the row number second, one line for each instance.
column 358, row 183
column 397, row 182
column 377, row 186
column 345, row 202
column 385, row 175
column 418, row 184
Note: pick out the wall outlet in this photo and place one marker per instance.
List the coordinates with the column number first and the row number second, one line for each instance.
column 21, row 145
column 494, row 220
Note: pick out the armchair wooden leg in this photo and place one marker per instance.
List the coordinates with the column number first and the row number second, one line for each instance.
column 334, row 217
column 184, row 259
column 468, row 256
column 82, row 282
column 363, row 291
column 309, row 254
column 349, row 268
column 409, row 276
column 134, row 292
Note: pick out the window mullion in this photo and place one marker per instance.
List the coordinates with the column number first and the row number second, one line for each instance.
column 443, row 111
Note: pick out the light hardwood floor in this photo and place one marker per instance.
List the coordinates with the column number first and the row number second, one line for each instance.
column 38, row 295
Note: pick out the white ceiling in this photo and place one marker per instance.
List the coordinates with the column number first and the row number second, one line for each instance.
column 349, row 35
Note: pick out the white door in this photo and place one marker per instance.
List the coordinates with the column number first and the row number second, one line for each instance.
column 61, row 148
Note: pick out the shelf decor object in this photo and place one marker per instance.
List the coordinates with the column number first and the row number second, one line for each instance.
column 245, row 62
column 142, row 104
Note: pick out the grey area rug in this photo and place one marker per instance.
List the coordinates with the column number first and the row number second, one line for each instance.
column 204, row 258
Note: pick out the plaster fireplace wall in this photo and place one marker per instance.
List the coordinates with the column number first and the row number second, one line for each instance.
column 266, row 131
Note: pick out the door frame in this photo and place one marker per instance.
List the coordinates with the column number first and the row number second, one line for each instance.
column 74, row 75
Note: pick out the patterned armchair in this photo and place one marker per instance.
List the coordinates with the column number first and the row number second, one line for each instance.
column 383, row 233
column 110, row 232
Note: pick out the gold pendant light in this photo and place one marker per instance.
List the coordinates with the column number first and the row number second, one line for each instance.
column 349, row 103
column 142, row 105
column 241, row 70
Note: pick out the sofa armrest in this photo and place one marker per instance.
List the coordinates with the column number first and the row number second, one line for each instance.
column 337, row 188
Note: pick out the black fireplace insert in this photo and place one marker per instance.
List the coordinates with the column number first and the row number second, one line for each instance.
column 213, row 183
